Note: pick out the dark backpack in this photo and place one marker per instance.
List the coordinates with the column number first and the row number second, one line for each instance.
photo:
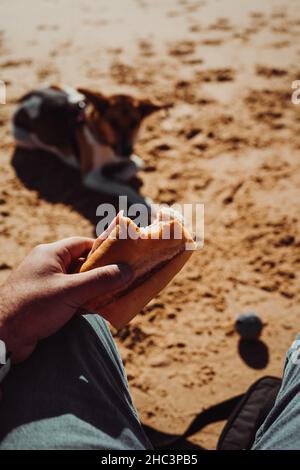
column 244, row 414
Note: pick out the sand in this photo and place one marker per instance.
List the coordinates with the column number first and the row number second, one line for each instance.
column 230, row 140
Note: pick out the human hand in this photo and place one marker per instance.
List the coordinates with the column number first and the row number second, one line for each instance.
column 39, row 297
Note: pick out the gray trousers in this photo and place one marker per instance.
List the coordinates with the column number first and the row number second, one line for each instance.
column 72, row 393
column 281, row 429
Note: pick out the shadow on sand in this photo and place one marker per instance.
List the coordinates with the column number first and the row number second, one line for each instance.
column 56, row 182
column 254, row 353
column 163, row 440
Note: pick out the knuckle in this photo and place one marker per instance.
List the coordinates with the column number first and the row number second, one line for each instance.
column 103, row 275
column 40, row 252
column 41, row 248
column 106, row 275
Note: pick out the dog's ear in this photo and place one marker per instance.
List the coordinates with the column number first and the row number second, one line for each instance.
column 147, row 107
column 100, row 101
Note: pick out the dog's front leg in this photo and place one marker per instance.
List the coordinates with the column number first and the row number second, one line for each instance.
column 96, row 181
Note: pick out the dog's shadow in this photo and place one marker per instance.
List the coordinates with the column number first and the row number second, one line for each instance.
column 57, row 182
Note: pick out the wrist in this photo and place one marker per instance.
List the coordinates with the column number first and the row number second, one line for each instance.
column 15, row 331
column 7, row 320
column 5, row 342
column 6, row 338
column 5, row 361
column 11, row 340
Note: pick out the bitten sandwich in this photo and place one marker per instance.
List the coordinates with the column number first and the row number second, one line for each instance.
column 155, row 253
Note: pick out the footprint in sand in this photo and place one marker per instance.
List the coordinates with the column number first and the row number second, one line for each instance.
column 193, row 61
column 146, row 48
column 114, row 50
column 280, row 44
column 122, row 73
column 222, row 24
column 182, row 48
column 195, row 28
column 212, row 42
column 47, row 70
column 270, row 72
column 15, row 63
column 216, row 75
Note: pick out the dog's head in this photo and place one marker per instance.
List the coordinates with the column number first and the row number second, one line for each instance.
column 115, row 120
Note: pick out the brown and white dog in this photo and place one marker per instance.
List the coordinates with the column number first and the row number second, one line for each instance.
column 87, row 130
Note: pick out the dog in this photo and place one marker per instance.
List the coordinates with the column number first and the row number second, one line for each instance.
column 91, row 132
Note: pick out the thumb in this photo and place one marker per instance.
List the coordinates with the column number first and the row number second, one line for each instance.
column 99, row 281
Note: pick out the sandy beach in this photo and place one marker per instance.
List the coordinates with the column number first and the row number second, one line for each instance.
column 230, row 139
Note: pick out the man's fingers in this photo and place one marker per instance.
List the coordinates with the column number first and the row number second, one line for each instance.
column 99, row 282
column 106, row 232
column 71, row 248
column 77, row 246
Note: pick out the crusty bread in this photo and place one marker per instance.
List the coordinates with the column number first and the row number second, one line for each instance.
column 155, row 253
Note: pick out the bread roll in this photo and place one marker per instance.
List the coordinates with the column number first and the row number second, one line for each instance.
column 155, row 253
